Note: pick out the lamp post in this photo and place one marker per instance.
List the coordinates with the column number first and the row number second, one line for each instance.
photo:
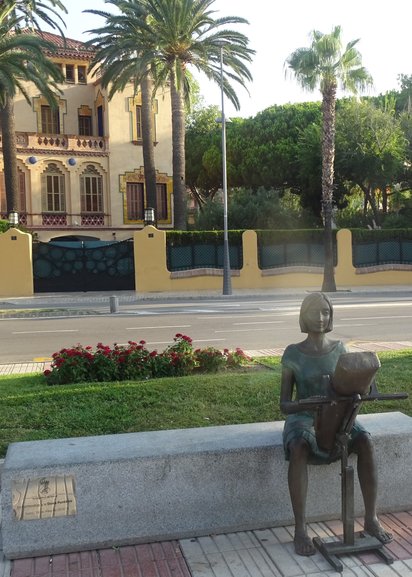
column 227, row 281
column 149, row 216
column 13, row 218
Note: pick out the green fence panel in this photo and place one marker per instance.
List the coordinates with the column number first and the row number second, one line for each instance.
column 389, row 251
column 272, row 256
column 204, row 255
column 317, row 254
column 406, row 249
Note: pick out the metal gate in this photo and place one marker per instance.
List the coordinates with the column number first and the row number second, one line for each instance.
column 83, row 266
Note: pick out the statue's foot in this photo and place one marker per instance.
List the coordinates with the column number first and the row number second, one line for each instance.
column 303, row 545
column 375, row 529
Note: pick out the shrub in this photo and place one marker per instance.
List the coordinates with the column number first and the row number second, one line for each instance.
column 210, row 360
column 134, row 361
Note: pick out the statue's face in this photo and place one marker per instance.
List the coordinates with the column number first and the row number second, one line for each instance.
column 317, row 317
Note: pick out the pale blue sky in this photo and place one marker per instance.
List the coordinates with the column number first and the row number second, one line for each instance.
column 277, row 28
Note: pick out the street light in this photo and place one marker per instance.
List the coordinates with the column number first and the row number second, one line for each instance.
column 227, row 281
column 149, row 216
column 13, row 218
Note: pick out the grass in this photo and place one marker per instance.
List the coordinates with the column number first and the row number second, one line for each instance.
column 31, row 410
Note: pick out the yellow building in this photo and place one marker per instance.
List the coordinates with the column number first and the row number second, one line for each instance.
column 81, row 166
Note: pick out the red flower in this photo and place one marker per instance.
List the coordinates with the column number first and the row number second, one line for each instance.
column 47, row 373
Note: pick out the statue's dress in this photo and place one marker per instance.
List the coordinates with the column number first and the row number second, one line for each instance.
column 308, row 370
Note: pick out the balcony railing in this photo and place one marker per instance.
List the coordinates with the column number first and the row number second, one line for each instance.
column 61, row 220
column 61, row 142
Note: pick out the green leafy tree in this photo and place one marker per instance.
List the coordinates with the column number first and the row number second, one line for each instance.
column 118, row 57
column 22, row 59
column 325, row 65
column 203, row 154
column 371, row 151
column 265, row 149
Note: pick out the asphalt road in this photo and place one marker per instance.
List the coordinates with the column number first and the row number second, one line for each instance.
column 249, row 323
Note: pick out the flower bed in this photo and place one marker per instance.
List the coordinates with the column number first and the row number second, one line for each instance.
column 134, row 361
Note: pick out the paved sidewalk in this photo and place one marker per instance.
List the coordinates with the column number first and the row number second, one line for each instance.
column 260, row 553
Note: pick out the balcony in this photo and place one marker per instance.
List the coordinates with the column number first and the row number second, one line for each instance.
column 49, row 220
column 63, row 143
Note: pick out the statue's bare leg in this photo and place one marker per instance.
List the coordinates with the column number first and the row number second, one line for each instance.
column 298, row 488
column 367, row 474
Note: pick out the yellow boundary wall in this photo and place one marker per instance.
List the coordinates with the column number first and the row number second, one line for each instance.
column 152, row 274
column 16, row 279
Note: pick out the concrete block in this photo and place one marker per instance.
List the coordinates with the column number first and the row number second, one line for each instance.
column 140, row 487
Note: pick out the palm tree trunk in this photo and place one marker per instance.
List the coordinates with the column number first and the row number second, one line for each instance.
column 178, row 140
column 7, row 122
column 328, row 160
column 148, row 140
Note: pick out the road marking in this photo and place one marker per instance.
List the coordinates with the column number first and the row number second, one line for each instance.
column 160, row 327
column 371, row 305
column 354, row 325
column 37, row 332
column 194, row 340
column 376, row 318
column 258, row 316
column 241, row 330
column 261, row 323
column 42, row 359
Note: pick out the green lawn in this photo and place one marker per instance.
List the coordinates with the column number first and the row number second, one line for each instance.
column 30, row 409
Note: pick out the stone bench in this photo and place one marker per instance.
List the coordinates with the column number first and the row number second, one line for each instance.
column 83, row 493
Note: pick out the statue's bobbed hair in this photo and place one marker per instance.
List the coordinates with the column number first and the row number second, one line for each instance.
column 311, row 300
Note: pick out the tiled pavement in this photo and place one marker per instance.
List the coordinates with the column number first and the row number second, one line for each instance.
column 259, row 553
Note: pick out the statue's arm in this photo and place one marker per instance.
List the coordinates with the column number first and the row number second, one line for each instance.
column 287, row 405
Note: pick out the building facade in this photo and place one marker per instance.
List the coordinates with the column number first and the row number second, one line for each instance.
column 80, row 165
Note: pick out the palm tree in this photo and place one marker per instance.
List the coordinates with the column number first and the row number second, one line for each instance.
column 325, row 65
column 117, row 55
column 16, row 51
column 184, row 34
column 173, row 35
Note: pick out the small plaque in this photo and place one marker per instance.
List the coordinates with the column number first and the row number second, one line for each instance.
column 44, row 498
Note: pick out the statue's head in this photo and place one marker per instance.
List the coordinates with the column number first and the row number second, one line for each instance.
column 313, row 303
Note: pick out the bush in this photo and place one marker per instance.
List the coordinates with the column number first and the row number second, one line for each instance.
column 134, row 361
column 256, row 209
column 4, row 225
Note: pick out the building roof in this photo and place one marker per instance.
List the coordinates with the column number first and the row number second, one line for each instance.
column 67, row 47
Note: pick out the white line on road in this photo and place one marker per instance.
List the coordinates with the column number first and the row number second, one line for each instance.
column 160, row 327
column 37, row 332
column 261, row 323
column 354, row 325
column 242, row 330
column 258, row 316
column 371, row 305
column 194, row 340
column 376, row 318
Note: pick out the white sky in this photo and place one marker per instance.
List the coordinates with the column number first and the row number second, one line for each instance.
column 277, row 28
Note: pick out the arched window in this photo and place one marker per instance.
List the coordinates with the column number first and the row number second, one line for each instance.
column 53, row 189
column 91, row 190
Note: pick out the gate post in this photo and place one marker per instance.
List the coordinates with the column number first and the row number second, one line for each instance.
column 150, row 260
column 16, row 264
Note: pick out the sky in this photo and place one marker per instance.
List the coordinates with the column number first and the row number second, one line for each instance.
column 277, row 28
